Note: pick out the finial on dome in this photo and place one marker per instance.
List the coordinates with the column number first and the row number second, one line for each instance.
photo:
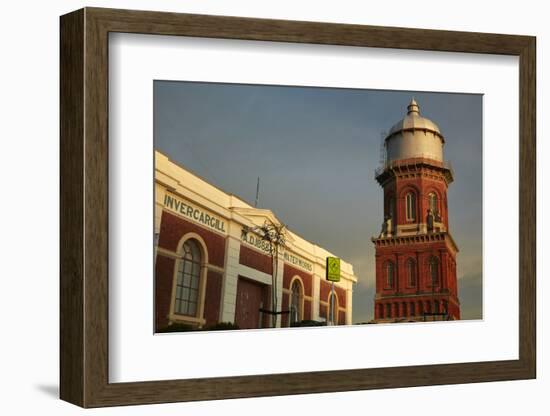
column 413, row 107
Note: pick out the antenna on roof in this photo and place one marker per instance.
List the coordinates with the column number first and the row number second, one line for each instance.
column 257, row 193
column 382, row 158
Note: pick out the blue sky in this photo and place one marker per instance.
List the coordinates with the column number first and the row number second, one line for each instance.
column 315, row 150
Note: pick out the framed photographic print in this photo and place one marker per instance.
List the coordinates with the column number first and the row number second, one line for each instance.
column 255, row 207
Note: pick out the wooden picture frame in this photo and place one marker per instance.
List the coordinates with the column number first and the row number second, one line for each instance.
column 84, row 207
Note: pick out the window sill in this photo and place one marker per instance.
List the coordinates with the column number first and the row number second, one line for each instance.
column 181, row 319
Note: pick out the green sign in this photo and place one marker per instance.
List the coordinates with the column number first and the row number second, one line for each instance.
column 333, row 269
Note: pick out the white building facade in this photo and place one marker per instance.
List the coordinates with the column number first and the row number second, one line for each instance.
column 213, row 265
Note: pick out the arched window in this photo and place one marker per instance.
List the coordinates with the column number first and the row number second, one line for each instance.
column 390, row 274
column 388, row 310
column 295, row 302
column 410, row 205
column 188, row 279
column 432, row 202
column 333, row 309
column 411, row 272
column 403, row 309
column 434, row 270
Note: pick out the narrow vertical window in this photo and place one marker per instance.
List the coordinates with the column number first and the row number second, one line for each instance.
column 410, row 202
column 391, row 208
column 434, row 271
column 188, row 279
column 390, row 274
column 411, row 272
column 432, row 202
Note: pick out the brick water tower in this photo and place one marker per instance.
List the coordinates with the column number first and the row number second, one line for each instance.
column 415, row 253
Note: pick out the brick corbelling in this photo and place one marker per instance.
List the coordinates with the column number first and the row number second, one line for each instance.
column 173, row 228
column 417, row 240
column 410, row 248
column 252, row 258
column 290, row 272
column 415, row 167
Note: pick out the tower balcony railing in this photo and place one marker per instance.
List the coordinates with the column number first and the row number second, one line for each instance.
column 413, row 161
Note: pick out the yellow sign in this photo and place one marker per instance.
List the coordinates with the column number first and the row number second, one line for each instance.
column 333, row 269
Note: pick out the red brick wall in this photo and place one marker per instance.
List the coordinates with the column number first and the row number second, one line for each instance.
column 341, row 318
column 164, row 273
column 173, row 228
column 324, row 290
column 212, row 297
column 421, row 254
column 307, row 309
column 285, row 307
column 251, row 258
column 290, row 272
column 323, row 311
column 421, row 186
column 267, row 319
column 400, row 307
column 340, row 293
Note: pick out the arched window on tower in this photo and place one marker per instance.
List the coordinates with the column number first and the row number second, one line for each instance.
column 295, row 302
column 411, row 272
column 390, row 274
column 410, row 206
column 433, row 267
column 432, row 203
column 188, row 279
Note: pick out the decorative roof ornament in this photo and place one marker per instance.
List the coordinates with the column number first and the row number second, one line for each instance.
column 413, row 107
column 414, row 121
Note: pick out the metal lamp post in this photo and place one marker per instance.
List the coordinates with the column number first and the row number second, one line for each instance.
column 275, row 236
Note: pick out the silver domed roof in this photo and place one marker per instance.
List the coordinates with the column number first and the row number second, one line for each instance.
column 414, row 121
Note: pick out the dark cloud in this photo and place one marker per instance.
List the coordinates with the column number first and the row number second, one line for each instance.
column 470, row 295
